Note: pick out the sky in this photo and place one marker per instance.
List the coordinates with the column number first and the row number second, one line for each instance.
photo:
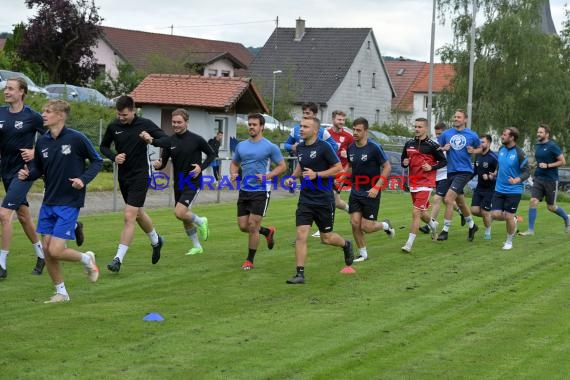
column 402, row 27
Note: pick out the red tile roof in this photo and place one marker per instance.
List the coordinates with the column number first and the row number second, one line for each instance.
column 221, row 93
column 413, row 77
column 139, row 48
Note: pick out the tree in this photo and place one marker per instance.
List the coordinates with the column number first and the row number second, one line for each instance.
column 61, row 37
column 127, row 79
column 520, row 75
column 11, row 60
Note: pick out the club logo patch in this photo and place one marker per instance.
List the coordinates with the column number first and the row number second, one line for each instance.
column 66, row 149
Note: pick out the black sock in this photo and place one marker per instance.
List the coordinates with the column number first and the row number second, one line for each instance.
column 301, row 271
column 264, row 231
column 251, row 254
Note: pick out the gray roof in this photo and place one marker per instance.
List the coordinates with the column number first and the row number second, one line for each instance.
column 318, row 63
column 547, row 25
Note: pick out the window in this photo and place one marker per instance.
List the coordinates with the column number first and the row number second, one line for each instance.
column 401, row 72
column 225, row 73
column 377, row 117
column 426, row 102
column 212, row 72
column 368, row 47
column 359, row 78
column 373, row 80
column 351, row 113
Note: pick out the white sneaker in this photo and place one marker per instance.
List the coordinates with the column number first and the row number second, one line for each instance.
column 316, row 234
column 407, row 248
column 567, row 225
column 92, row 269
column 507, row 246
column 526, row 233
column 433, row 228
column 58, row 297
column 360, row 259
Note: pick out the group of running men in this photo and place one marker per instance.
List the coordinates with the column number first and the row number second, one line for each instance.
column 325, row 158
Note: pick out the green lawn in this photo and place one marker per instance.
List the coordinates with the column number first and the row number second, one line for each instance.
column 449, row 310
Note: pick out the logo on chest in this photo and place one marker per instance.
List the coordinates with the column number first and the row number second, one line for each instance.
column 18, row 124
column 66, row 149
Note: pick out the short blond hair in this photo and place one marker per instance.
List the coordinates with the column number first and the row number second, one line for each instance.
column 58, row 105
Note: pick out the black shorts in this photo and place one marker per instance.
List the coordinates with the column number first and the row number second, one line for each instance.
column 482, row 199
column 185, row 196
column 253, row 202
column 134, row 191
column 544, row 189
column 16, row 192
column 505, row 202
column 457, row 181
column 368, row 207
column 441, row 187
column 323, row 216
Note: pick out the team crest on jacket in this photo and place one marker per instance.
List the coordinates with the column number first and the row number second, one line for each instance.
column 364, row 157
column 18, row 124
column 66, row 149
column 313, row 154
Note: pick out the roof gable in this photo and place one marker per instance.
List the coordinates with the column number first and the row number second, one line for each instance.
column 137, row 47
column 215, row 93
column 318, row 62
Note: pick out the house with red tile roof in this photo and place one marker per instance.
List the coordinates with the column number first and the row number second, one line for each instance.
column 410, row 79
column 212, row 103
column 152, row 51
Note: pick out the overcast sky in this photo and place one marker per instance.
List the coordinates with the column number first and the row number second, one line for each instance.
column 401, row 27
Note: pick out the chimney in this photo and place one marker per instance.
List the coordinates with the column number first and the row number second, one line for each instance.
column 299, row 29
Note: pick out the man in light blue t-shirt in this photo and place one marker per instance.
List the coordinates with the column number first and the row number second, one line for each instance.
column 255, row 155
column 460, row 143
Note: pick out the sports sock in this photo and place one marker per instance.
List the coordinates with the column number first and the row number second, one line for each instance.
column 3, row 257
column 153, row 236
column 487, row 230
column 510, row 238
column 469, row 220
column 264, row 230
column 251, row 255
column 39, row 249
column 85, row 259
column 532, row 212
column 301, row 271
column 60, row 288
column 411, row 238
column 194, row 237
column 363, row 252
column 346, row 207
column 446, row 225
column 196, row 220
column 561, row 213
column 122, row 251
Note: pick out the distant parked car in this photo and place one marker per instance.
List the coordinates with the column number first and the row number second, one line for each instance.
column 564, row 179
column 78, row 94
column 32, row 87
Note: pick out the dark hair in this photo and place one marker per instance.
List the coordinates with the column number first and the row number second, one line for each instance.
column 545, row 127
column 125, row 101
column 311, row 106
column 338, row 112
column 440, row 126
column 257, row 116
column 360, row 121
column 487, row 137
column 514, row 131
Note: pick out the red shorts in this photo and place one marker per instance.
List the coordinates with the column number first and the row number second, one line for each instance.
column 420, row 199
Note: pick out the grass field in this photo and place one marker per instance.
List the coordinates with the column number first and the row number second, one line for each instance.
column 450, row 310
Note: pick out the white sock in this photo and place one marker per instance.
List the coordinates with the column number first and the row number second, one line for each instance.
column 194, row 237
column 60, row 288
column 39, row 250
column 446, row 224
column 346, row 207
column 153, row 235
column 85, row 259
column 3, row 257
column 411, row 238
column 122, row 251
column 487, row 230
column 197, row 220
column 363, row 252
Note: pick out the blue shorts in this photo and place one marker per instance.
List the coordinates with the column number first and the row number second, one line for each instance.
column 16, row 192
column 58, row 221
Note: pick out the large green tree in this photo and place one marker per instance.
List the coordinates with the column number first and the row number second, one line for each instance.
column 61, row 37
column 521, row 74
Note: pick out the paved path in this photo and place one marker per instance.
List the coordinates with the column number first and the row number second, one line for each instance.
column 106, row 201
